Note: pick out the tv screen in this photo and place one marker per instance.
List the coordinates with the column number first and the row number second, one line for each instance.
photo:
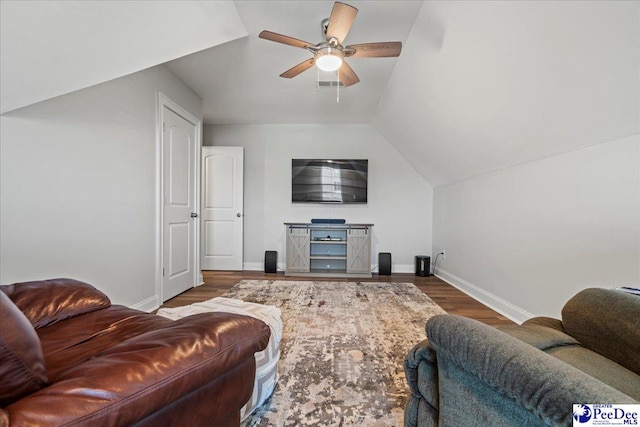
column 329, row 181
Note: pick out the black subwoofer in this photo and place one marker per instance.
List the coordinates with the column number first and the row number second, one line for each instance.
column 384, row 263
column 270, row 261
column 423, row 265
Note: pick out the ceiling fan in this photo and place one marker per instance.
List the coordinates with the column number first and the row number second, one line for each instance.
column 329, row 54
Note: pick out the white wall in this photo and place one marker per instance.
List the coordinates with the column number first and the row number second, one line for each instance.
column 399, row 200
column 527, row 238
column 78, row 177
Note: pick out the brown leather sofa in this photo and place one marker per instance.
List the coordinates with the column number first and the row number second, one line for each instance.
column 69, row 357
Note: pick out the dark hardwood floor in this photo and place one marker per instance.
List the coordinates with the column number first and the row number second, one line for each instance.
column 445, row 295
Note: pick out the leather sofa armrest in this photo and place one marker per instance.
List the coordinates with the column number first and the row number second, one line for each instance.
column 146, row 373
column 539, row 383
column 45, row 302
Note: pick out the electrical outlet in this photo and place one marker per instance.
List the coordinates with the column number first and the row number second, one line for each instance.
column 444, row 255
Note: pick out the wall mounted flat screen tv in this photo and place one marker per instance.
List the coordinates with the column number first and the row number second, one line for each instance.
column 329, row 181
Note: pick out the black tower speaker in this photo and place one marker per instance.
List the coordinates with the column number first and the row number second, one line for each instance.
column 423, row 265
column 270, row 261
column 384, row 263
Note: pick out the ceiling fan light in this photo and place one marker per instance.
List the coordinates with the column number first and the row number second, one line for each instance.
column 328, row 59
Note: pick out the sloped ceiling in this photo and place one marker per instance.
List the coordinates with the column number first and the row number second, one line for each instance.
column 49, row 48
column 479, row 86
column 240, row 84
column 486, row 85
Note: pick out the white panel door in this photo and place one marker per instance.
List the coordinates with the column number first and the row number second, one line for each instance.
column 222, row 208
column 179, row 217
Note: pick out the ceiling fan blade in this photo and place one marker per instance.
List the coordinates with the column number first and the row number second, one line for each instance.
column 340, row 21
column 347, row 76
column 375, row 50
column 275, row 37
column 303, row 66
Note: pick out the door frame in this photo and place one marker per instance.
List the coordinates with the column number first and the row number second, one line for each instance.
column 166, row 102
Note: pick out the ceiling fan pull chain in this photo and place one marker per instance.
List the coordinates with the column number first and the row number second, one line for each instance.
column 338, row 86
column 318, row 80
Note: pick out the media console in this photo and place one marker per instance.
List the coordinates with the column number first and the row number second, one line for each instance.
column 328, row 250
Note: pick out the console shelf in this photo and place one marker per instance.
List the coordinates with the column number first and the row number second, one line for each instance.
column 327, row 257
column 328, row 250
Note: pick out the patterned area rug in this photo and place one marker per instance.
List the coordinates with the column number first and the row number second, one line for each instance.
column 342, row 350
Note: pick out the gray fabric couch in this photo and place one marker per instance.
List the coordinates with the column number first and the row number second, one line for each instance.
column 469, row 374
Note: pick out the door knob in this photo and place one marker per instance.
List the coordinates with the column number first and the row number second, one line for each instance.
column 238, row 214
column 194, row 215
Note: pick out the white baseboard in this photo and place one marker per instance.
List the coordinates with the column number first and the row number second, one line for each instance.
column 253, row 266
column 401, row 268
column 492, row 301
column 147, row 305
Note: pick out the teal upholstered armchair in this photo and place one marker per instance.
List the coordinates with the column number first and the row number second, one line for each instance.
column 469, row 374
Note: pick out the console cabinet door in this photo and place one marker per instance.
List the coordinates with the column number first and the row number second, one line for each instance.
column 359, row 250
column 298, row 250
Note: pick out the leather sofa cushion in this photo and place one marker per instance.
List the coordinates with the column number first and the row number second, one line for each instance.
column 22, row 367
column 607, row 322
column 74, row 341
column 127, row 382
column 46, row 302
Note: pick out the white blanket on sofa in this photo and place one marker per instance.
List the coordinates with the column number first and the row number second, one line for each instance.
column 266, row 360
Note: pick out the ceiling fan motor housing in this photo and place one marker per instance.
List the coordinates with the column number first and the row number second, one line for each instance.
column 323, row 27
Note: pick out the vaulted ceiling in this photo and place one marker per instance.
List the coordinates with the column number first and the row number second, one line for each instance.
column 479, row 86
column 239, row 81
column 485, row 85
column 50, row 48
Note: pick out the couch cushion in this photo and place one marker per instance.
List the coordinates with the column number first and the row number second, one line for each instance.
column 540, row 336
column 547, row 335
column 548, row 322
column 607, row 322
column 22, row 366
column 45, row 302
column 80, row 338
column 600, row 368
column 132, row 380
